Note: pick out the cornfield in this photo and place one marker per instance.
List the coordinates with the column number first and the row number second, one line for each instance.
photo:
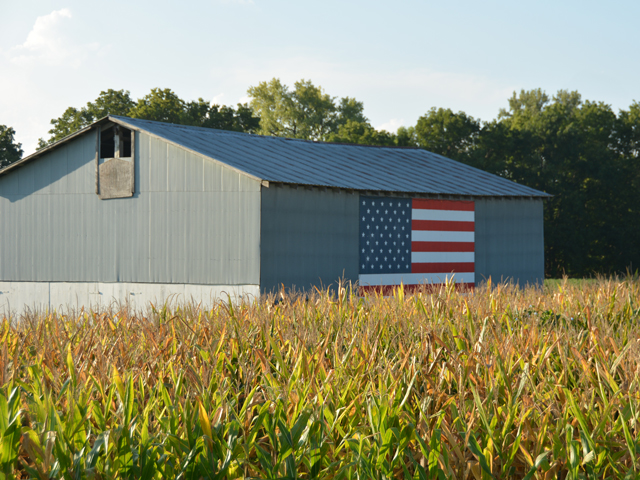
column 496, row 383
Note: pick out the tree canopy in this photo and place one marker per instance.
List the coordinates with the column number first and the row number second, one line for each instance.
column 10, row 150
column 162, row 105
column 305, row 112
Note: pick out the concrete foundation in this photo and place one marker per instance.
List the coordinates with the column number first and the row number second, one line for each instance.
column 16, row 297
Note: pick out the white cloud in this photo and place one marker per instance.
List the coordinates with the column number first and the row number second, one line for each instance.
column 217, row 100
column 49, row 43
column 392, row 125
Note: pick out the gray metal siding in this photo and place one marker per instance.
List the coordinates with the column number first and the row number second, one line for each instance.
column 509, row 241
column 309, row 237
column 191, row 220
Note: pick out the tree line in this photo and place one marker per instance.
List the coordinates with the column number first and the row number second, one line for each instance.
column 582, row 152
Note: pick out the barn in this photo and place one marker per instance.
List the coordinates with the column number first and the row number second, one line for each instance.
column 131, row 210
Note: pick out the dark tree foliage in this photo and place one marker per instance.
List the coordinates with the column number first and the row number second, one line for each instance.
column 162, row 105
column 583, row 154
column 10, row 151
column 446, row 133
column 114, row 102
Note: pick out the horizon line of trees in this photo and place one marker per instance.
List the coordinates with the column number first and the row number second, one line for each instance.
column 581, row 152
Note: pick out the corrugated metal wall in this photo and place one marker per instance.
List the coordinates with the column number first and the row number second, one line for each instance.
column 309, row 237
column 509, row 240
column 191, row 220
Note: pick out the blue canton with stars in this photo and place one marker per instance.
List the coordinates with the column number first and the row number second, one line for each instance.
column 385, row 235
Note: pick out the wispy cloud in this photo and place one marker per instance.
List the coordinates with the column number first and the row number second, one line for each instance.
column 48, row 43
column 392, row 125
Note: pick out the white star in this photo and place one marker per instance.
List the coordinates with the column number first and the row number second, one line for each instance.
column 363, row 219
column 368, row 210
column 363, row 250
column 377, row 211
column 386, row 212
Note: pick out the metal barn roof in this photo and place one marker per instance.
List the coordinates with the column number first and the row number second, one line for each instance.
column 358, row 167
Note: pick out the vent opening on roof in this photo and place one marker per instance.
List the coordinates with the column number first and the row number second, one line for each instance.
column 115, row 142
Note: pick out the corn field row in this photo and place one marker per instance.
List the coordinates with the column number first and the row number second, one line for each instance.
column 540, row 383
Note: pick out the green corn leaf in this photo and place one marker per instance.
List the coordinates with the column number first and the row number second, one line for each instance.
column 475, row 449
column 541, row 462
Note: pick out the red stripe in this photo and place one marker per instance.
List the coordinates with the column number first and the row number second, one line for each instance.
column 388, row 290
column 465, row 205
column 442, row 225
column 462, row 267
column 442, row 247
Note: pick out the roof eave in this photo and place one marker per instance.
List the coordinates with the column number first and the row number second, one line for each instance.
column 541, row 196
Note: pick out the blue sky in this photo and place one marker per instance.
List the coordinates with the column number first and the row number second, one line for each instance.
column 400, row 58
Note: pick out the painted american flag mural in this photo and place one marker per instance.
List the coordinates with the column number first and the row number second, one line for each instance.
column 416, row 241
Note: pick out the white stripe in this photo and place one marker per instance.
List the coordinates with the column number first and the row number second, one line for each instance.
column 447, row 215
column 374, row 279
column 435, row 236
column 442, row 257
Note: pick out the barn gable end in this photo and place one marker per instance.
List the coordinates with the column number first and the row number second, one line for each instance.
column 191, row 221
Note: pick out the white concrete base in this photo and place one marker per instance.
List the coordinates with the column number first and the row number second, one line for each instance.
column 16, row 297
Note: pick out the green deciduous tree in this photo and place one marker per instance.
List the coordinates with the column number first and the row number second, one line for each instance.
column 111, row 102
column 162, row 105
column 10, row 150
column 362, row 133
column 201, row 113
column 447, row 133
column 581, row 153
column 305, row 112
